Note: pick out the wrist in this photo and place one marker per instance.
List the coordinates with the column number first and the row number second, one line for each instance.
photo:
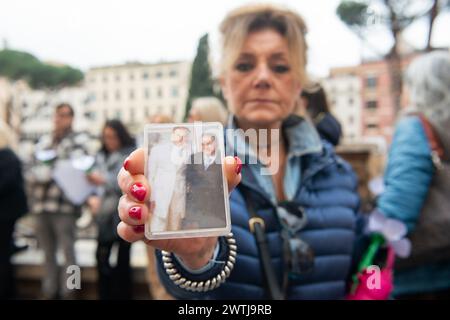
column 208, row 280
column 199, row 260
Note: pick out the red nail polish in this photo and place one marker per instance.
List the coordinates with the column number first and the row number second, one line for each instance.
column 238, row 165
column 126, row 163
column 138, row 191
column 139, row 229
column 135, row 213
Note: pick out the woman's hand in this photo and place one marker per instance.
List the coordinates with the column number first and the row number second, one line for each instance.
column 134, row 211
column 96, row 178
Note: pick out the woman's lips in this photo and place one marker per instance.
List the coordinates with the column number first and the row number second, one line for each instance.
column 261, row 101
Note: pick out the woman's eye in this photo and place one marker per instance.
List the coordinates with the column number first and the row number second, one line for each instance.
column 281, row 68
column 243, row 67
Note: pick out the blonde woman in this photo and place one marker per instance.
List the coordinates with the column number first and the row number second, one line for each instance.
column 307, row 207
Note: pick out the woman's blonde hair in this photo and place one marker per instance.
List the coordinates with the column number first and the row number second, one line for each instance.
column 239, row 23
column 210, row 109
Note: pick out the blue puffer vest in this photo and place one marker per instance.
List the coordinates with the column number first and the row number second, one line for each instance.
column 328, row 194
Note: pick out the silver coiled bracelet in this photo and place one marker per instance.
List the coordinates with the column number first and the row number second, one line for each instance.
column 201, row 286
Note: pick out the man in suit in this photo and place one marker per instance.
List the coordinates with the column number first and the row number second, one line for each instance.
column 205, row 207
column 167, row 177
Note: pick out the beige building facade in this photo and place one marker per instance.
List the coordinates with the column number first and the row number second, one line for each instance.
column 133, row 92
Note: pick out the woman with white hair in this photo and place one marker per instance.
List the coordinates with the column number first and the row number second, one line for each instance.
column 13, row 204
column 417, row 180
column 208, row 109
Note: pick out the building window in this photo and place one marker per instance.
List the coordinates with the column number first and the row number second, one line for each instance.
column 105, row 79
column 173, row 73
column 372, row 126
column 105, row 114
column 372, row 105
column 117, row 95
column 159, row 74
column 147, row 93
column 117, row 78
column 371, row 82
column 131, row 114
column 131, row 94
column 160, row 93
column 131, row 76
column 91, row 97
column 350, row 101
column 105, row 96
column 92, row 79
column 145, row 75
column 174, row 92
column 147, row 113
column 118, row 114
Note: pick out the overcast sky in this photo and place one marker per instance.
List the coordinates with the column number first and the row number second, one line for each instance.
column 87, row 33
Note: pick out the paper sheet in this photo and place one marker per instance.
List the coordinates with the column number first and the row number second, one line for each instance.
column 73, row 182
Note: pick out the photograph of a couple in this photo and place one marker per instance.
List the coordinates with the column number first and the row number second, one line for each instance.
column 184, row 168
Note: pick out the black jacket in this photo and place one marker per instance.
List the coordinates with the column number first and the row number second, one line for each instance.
column 328, row 127
column 13, row 201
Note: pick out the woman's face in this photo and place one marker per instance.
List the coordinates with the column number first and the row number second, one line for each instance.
column 261, row 88
column 111, row 140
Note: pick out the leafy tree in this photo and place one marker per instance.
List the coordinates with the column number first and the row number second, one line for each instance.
column 394, row 16
column 201, row 84
column 22, row 65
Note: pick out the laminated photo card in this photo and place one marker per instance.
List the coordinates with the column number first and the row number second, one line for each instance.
column 189, row 192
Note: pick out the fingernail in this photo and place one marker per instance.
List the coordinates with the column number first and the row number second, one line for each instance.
column 139, row 229
column 138, row 191
column 135, row 213
column 126, row 163
column 238, row 165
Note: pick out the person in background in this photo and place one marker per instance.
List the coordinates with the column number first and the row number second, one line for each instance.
column 410, row 176
column 55, row 214
column 114, row 282
column 208, row 109
column 13, row 204
column 315, row 102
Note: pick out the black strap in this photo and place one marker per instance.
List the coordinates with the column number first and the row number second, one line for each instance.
column 257, row 227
